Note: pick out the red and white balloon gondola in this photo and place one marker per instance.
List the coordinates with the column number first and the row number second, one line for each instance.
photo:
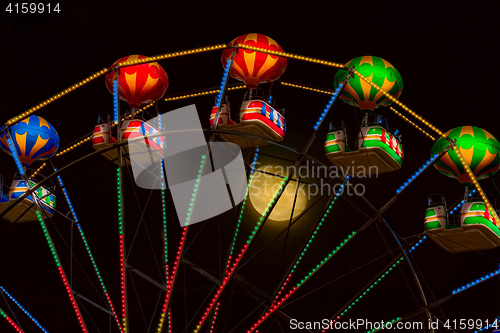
column 257, row 116
column 137, row 85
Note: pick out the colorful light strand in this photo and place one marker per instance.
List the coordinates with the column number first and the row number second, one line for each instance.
column 369, row 288
column 164, row 220
column 171, row 281
column 173, row 55
column 121, row 244
column 23, row 309
column 115, row 99
column 161, row 57
column 169, row 99
column 455, row 148
column 275, row 306
column 203, row 93
column 395, row 100
column 400, row 259
column 10, row 321
column 475, row 282
column 169, row 320
column 327, row 107
column 231, row 271
column 223, row 83
column 462, row 202
column 14, row 155
column 413, row 124
column 417, row 173
column 87, row 247
column 379, row 279
column 325, row 215
column 55, row 97
column 240, row 217
column 288, row 84
column 215, row 317
column 61, row 272
column 50, row 243
column 291, row 56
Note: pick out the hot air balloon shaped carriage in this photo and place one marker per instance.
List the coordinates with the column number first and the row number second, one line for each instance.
column 132, row 128
column 25, row 210
column 473, row 229
column 376, row 147
column 257, row 116
column 33, row 139
column 224, row 114
column 103, row 137
column 476, row 227
column 436, row 215
column 137, row 85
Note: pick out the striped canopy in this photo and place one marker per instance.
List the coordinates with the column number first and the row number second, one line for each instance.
column 254, row 67
column 479, row 149
column 34, row 138
column 144, row 83
column 361, row 94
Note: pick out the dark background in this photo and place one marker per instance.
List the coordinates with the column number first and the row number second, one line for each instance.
column 446, row 56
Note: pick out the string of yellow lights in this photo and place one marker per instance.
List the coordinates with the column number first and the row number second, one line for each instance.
column 292, row 56
column 288, row 84
column 407, row 109
column 412, row 123
column 173, row 55
column 29, row 112
column 62, row 152
column 203, row 93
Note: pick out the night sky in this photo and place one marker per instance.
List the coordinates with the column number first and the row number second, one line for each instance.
column 446, row 57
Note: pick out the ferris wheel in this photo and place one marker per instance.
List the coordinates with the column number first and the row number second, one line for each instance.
column 288, row 240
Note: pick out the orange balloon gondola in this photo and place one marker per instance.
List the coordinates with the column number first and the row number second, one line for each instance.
column 139, row 84
column 254, row 67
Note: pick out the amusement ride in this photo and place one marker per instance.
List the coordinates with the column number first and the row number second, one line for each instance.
column 242, row 271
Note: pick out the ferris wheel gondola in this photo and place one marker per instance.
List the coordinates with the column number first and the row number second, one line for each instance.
column 374, row 136
column 257, row 116
column 137, row 85
column 31, row 140
column 376, row 146
column 475, row 228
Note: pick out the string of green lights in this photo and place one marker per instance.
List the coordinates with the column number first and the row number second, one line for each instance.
column 235, row 264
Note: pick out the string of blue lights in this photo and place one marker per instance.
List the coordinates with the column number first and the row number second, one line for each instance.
column 23, row 309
